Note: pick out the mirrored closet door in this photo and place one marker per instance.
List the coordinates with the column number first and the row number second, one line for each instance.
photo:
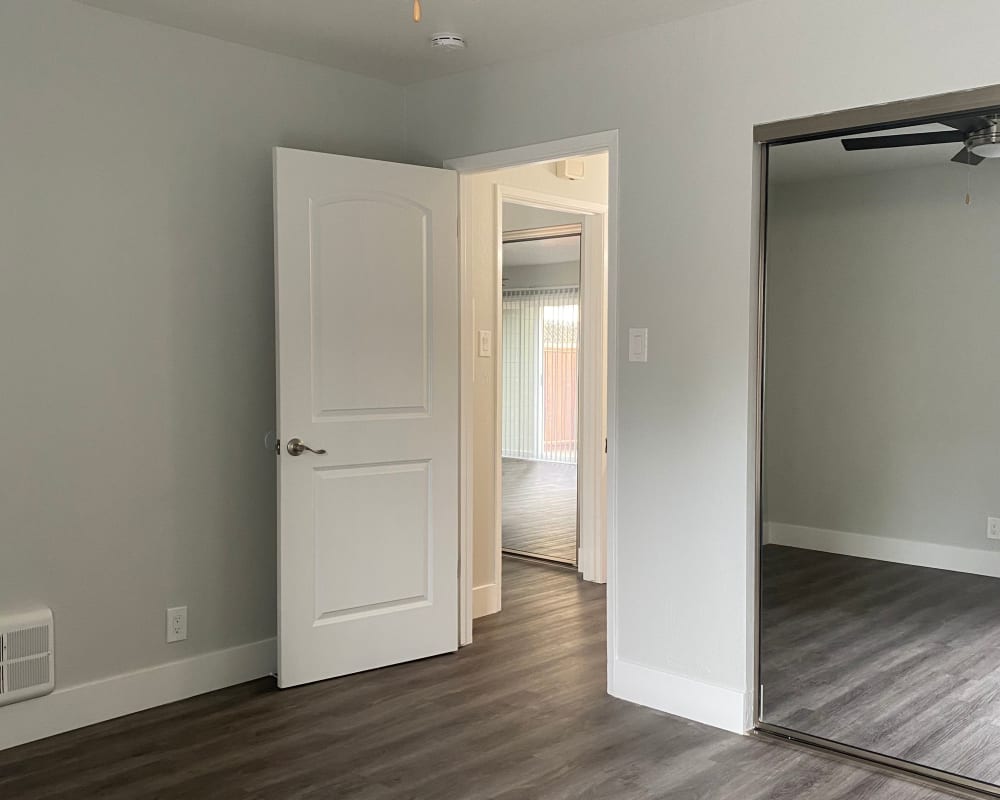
column 539, row 398
column 880, row 467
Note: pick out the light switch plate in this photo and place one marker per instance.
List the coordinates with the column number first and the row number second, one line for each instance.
column 638, row 344
column 485, row 344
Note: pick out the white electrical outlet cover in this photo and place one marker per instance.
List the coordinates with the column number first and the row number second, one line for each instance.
column 177, row 630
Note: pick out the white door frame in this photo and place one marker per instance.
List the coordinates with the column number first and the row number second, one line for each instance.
column 602, row 142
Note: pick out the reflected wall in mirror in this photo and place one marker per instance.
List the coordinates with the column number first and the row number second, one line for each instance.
column 880, row 588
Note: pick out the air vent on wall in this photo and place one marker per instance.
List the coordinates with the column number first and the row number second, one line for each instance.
column 27, row 663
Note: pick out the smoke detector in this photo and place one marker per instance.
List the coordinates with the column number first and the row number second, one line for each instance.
column 447, row 41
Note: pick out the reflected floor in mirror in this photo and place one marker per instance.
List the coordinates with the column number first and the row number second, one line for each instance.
column 897, row 659
column 539, row 508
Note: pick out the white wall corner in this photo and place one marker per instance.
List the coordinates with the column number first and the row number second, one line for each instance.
column 485, row 600
column 728, row 709
column 89, row 703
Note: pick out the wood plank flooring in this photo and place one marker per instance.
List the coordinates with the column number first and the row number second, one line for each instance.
column 539, row 508
column 522, row 713
column 893, row 658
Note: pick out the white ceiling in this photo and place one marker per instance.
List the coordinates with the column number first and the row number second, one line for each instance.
column 379, row 38
column 826, row 158
column 541, row 251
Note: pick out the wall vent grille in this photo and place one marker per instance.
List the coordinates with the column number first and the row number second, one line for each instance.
column 27, row 642
column 27, row 663
column 27, row 673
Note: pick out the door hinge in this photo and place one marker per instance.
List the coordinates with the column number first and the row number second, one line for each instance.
column 277, row 447
column 605, row 445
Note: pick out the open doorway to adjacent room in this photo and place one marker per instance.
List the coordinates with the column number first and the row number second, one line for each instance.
column 536, row 284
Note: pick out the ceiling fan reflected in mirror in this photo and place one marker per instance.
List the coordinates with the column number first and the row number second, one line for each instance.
column 979, row 136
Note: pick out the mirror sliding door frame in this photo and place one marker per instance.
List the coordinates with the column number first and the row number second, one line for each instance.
column 857, row 120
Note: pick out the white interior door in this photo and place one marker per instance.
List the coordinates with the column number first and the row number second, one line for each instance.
column 367, row 326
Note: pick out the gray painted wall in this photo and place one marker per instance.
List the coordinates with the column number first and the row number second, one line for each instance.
column 883, row 384
column 539, row 276
column 136, row 300
column 687, row 198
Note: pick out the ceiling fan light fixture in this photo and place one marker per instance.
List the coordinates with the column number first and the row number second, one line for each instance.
column 985, row 145
column 985, row 142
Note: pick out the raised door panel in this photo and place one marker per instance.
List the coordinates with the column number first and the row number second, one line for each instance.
column 369, row 272
column 372, row 535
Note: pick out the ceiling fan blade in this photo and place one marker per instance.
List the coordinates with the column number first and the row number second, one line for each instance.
column 966, row 156
column 967, row 125
column 902, row 140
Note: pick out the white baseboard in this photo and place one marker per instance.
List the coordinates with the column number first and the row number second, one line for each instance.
column 485, row 600
column 89, row 703
column 884, row 548
column 717, row 706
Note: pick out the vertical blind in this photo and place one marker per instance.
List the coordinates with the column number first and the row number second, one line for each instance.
column 541, row 335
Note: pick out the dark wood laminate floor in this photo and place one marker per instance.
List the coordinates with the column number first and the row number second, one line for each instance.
column 522, row 713
column 888, row 657
column 539, row 508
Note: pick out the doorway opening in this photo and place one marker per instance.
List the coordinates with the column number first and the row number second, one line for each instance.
column 539, row 397
column 536, row 472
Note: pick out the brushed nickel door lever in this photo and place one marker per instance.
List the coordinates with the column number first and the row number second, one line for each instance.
column 297, row 447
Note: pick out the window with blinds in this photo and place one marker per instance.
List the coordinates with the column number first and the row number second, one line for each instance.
column 540, row 397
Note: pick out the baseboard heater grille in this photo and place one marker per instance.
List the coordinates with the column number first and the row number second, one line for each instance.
column 27, row 663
